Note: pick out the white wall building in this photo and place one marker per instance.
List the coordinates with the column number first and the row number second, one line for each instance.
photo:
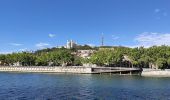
column 71, row 44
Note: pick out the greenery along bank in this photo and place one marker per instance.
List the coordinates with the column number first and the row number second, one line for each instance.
column 153, row 57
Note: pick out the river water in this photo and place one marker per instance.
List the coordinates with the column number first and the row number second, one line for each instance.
column 31, row 86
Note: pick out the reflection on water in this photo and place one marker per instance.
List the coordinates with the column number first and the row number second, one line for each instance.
column 29, row 86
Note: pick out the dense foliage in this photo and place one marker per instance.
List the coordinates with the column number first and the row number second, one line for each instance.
column 52, row 58
column 153, row 57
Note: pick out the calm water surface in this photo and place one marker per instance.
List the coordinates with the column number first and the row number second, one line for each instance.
column 28, row 86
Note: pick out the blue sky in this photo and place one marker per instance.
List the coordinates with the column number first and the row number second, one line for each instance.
column 34, row 24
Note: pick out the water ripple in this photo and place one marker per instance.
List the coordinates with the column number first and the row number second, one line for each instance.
column 81, row 87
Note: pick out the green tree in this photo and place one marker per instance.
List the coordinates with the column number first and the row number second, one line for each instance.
column 161, row 63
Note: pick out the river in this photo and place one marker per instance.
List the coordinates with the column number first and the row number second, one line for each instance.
column 32, row 86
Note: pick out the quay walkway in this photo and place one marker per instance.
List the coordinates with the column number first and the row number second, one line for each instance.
column 117, row 70
column 71, row 69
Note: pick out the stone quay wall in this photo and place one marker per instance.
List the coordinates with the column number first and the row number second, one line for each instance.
column 43, row 69
column 156, row 73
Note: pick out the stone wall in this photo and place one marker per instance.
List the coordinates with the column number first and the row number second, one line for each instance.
column 156, row 73
column 40, row 69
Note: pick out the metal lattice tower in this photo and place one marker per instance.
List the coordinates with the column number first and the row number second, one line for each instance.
column 102, row 44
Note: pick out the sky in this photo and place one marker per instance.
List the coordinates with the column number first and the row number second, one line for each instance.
column 37, row 24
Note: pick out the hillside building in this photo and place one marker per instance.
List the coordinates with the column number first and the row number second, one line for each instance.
column 70, row 44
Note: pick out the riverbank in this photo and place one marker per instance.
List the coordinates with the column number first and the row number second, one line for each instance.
column 45, row 69
column 156, row 73
column 72, row 69
column 86, row 70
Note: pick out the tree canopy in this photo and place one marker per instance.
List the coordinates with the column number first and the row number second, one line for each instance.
column 153, row 57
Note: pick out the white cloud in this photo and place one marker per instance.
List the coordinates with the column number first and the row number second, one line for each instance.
column 42, row 45
column 92, row 45
column 159, row 13
column 157, row 10
column 115, row 37
column 16, row 44
column 147, row 39
column 51, row 35
column 24, row 49
column 4, row 52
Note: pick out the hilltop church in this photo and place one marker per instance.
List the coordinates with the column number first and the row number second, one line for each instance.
column 71, row 44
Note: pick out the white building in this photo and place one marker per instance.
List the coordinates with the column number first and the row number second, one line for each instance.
column 71, row 44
